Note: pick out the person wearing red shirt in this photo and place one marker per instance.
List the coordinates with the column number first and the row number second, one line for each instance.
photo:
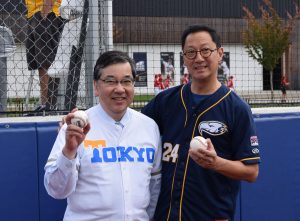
column 230, row 82
column 161, row 84
column 185, row 78
column 158, row 84
column 283, row 86
column 168, row 82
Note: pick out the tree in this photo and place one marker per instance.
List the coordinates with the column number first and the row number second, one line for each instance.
column 267, row 38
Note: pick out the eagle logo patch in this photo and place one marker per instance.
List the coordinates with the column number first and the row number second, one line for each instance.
column 214, row 128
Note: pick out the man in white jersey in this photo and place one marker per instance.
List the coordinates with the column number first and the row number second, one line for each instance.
column 110, row 169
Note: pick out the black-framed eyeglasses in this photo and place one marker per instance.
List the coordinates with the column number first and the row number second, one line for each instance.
column 192, row 53
column 112, row 82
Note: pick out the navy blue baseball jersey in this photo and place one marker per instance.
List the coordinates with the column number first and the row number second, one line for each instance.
column 190, row 192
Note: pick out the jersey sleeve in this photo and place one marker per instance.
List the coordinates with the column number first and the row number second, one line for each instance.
column 244, row 137
column 61, row 174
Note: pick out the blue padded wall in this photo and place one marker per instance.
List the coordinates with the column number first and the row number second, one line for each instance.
column 19, row 174
column 50, row 208
column 237, row 215
column 276, row 194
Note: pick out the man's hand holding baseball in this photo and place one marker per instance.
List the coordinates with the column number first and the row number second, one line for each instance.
column 206, row 158
column 74, row 137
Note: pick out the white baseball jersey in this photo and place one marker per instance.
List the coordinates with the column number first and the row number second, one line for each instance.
column 116, row 173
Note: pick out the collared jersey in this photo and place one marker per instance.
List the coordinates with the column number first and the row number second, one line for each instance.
column 116, row 174
column 190, row 192
column 34, row 6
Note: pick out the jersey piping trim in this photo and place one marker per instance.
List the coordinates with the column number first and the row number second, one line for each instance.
column 209, row 109
column 156, row 173
column 188, row 157
column 251, row 158
column 182, row 190
column 182, row 100
column 170, row 207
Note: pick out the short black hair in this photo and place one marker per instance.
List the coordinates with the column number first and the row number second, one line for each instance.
column 199, row 28
column 112, row 57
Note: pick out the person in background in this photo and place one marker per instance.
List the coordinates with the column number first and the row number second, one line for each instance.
column 44, row 30
column 185, row 78
column 160, row 83
column 110, row 169
column 202, row 184
column 168, row 82
column 156, row 84
column 283, row 86
column 230, row 82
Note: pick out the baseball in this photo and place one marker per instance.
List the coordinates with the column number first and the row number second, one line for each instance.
column 198, row 142
column 80, row 119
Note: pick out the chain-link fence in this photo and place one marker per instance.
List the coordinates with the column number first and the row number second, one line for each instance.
column 34, row 42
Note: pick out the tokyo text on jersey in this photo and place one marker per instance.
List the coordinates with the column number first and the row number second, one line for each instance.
column 188, row 191
column 116, row 174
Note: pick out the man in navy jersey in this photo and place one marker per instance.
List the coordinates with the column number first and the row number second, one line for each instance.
column 202, row 185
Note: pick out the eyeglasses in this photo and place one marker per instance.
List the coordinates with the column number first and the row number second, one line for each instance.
column 112, row 82
column 205, row 52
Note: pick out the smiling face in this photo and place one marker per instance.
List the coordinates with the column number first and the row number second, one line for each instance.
column 202, row 69
column 115, row 98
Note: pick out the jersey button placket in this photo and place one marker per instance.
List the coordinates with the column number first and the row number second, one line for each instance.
column 125, row 175
column 126, row 189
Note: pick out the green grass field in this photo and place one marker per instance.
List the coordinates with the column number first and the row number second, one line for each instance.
column 143, row 98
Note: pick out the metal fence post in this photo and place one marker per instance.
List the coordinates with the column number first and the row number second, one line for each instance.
column 3, row 83
column 7, row 48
